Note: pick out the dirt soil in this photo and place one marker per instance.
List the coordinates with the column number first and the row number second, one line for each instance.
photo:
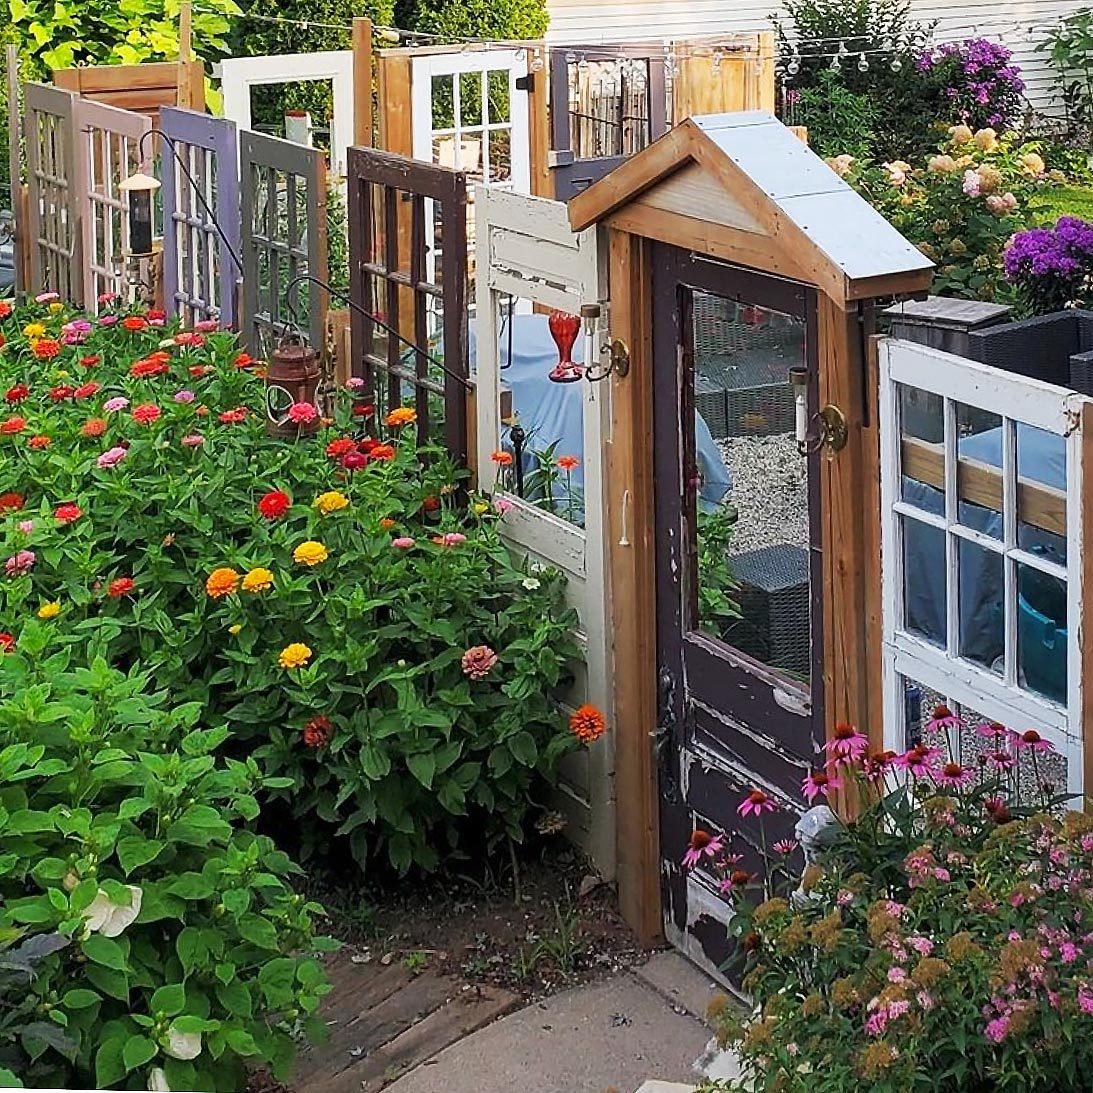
column 565, row 928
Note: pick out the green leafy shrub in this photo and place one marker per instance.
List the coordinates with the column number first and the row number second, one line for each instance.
column 393, row 725
column 1069, row 49
column 961, row 205
column 905, row 100
column 942, row 941
column 839, row 121
column 124, row 829
column 503, row 20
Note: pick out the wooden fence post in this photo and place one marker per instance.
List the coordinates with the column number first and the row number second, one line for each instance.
column 362, row 82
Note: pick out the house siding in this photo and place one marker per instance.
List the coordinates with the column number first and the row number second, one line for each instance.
column 579, row 21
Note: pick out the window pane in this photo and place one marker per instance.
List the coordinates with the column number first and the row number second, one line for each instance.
column 470, row 99
column 982, row 626
column 1041, row 493
column 924, row 580
column 922, row 452
column 1041, row 633
column 750, row 484
column 443, row 103
column 979, row 470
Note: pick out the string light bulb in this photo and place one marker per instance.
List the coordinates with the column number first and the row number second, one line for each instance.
column 843, row 51
column 863, row 64
column 582, row 64
column 897, row 64
column 836, row 64
column 794, row 65
column 718, row 53
column 537, row 62
column 570, row 58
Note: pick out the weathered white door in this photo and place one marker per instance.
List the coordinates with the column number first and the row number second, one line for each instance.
column 982, row 536
column 528, row 255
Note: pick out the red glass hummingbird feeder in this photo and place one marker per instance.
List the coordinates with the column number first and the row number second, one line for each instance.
column 564, row 330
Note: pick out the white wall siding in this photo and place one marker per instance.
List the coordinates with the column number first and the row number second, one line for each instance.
column 1008, row 21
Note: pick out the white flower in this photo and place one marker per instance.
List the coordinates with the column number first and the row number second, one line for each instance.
column 157, row 1080
column 530, row 583
column 183, row 1045
column 167, row 343
column 108, row 918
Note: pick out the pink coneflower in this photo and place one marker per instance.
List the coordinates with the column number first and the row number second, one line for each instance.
column 1030, row 740
column 112, row 457
column 953, row 774
column 877, row 764
column 702, row 845
column 918, row 761
column 193, row 440
column 943, row 718
column 1003, row 760
column 403, row 542
column 738, row 878
column 478, row 661
column 113, row 405
column 756, row 803
column 785, row 847
column 991, row 730
column 819, row 782
column 20, row 562
column 846, row 743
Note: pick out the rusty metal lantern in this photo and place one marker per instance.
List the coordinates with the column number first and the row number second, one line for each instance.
column 292, row 380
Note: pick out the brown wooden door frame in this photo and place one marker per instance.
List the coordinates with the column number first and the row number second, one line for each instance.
column 735, row 690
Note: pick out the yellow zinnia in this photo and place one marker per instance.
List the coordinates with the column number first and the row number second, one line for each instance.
column 258, row 580
column 402, row 415
column 330, row 502
column 235, row 628
column 310, row 553
column 49, row 610
column 295, row 655
column 221, row 582
column 34, row 330
column 56, row 307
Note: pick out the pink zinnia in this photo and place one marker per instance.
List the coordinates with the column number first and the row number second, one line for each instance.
column 26, row 526
column 847, row 743
column 20, row 562
column 477, row 661
column 108, row 320
column 403, row 542
column 502, row 505
column 1030, row 740
column 207, row 326
column 354, row 383
column 817, row 782
column 302, row 413
column 146, row 413
column 184, row 396
column 112, row 457
column 112, row 405
column 756, row 803
column 46, row 297
column 194, row 440
column 702, row 845
column 454, row 537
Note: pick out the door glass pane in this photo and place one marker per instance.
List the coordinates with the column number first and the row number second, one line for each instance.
column 1041, row 633
column 922, row 458
column 979, row 470
column 1041, row 493
column 749, row 484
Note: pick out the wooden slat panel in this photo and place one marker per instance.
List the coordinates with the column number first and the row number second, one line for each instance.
column 1085, row 630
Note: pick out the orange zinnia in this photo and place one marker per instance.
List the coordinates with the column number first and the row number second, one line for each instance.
column 94, row 426
column 401, row 415
column 502, row 459
column 221, row 582
column 46, row 348
column 568, row 462
column 587, row 724
column 39, row 442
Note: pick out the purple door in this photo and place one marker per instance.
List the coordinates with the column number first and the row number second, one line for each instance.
column 738, row 619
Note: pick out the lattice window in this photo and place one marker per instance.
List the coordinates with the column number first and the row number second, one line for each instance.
column 392, row 277
column 283, row 202
column 982, row 521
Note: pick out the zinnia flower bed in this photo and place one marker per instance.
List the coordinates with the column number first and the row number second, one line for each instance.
column 336, row 602
column 943, row 941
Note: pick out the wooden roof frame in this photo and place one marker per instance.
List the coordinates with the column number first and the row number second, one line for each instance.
column 738, row 222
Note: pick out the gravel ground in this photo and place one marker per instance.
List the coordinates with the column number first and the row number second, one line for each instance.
column 769, row 491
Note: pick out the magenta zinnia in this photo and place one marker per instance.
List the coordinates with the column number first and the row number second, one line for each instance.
column 477, row 661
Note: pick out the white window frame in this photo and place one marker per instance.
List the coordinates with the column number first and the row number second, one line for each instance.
column 1016, row 400
column 239, row 74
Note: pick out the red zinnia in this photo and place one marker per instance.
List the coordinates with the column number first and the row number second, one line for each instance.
column 120, row 586
column 275, row 503
column 7, row 643
column 148, row 367
column 318, row 731
column 234, row 417
column 199, row 370
column 339, row 447
column 368, row 444
column 431, row 504
column 5, row 309
column 134, row 322
column 17, row 393
column 13, row 425
column 11, row 502
column 157, row 314
column 363, row 409
column 146, row 413
column 189, row 338
column 39, row 442
column 382, row 452
column 244, row 360
column 86, row 390
column 90, row 361
column 353, row 461
column 93, row 427
column 61, row 392
column 46, row 349
column 68, row 513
